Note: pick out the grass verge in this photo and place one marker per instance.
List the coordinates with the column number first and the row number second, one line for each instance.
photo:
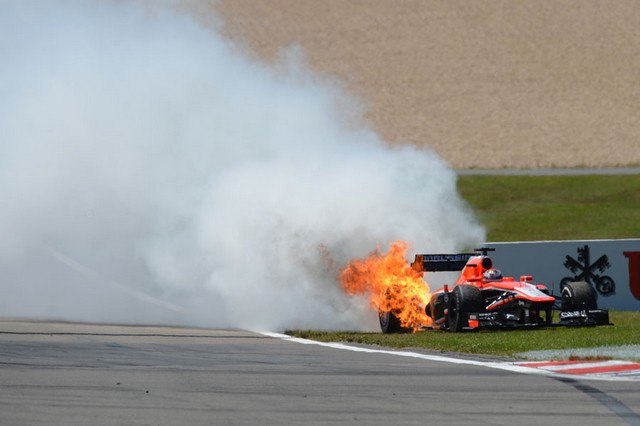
column 497, row 342
column 530, row 208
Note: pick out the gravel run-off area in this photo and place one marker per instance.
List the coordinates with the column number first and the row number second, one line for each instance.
column 487, row 85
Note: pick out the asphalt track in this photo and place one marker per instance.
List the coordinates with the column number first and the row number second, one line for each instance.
column 76, row 374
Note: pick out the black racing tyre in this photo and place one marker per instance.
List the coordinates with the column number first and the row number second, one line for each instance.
column 577, row 296
column 465, row 299
column 565, row 281
column 389, row 323
column 435, row 308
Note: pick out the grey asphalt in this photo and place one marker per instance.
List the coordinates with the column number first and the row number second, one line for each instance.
column 73, row 374
column 550, row 172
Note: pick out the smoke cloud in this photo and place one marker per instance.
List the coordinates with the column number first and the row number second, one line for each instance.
column 151, row 172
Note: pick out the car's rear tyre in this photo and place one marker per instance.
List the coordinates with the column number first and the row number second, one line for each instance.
column 390, row 323
column 465, row 299
column 578, row 296
column 436, row 307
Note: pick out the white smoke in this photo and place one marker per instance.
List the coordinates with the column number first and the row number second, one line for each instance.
column 152, row 173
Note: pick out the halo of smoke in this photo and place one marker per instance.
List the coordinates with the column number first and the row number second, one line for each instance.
column 152, row 173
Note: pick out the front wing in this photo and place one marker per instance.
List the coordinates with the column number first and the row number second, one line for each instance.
column 584, row 318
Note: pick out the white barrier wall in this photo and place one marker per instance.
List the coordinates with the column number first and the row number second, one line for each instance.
column 612, row 267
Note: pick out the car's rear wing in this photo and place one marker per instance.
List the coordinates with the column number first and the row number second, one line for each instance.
column 441, row 262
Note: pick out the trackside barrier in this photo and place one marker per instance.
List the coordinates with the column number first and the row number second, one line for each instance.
column 612, row 267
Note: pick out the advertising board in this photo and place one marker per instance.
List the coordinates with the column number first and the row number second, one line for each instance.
column 612, row 267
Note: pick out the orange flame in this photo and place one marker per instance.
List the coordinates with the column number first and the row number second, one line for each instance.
column 390, row 283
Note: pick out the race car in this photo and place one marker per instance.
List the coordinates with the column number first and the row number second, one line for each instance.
column 482, row 298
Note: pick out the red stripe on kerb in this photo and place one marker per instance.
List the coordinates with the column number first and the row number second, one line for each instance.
column 549, row 363
column 605, row 369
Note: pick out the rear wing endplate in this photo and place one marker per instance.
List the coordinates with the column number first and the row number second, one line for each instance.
column 441, row 262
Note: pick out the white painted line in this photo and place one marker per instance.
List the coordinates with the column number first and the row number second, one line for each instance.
column 505, row 366
column 376, row 351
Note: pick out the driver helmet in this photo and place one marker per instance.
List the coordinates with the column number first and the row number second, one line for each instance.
column 492, row 274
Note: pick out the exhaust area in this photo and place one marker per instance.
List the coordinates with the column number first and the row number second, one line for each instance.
column 152, row 173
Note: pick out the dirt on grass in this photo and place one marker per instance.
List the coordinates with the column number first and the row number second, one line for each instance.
column 500, row 84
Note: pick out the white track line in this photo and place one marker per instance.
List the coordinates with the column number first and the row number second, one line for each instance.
column 506, row 366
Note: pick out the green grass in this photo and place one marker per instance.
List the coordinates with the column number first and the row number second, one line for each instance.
column 529, row 208
column 498, row 342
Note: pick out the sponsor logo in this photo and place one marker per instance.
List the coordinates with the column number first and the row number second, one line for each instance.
column 634, row 272
column 585, row 270
column 573, row 314
column 446, row 257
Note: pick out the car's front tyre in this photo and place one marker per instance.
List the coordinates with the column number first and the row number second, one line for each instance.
column 578, row 296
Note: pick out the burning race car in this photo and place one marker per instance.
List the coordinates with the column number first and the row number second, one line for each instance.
column 482, row 298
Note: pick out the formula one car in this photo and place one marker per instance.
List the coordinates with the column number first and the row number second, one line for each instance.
column 482, row 298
